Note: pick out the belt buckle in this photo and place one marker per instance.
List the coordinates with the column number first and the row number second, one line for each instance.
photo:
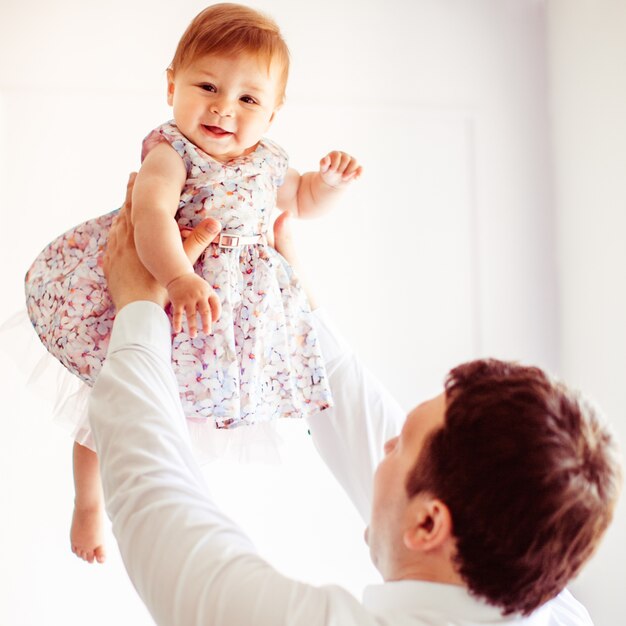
column 228, row 241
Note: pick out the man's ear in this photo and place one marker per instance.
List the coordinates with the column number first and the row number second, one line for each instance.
column 430, row 524
column 170, row 86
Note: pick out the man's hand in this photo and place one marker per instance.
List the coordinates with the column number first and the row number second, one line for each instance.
column 337, row 169
column 189, row 294
column 127, row 279
column 282, row 241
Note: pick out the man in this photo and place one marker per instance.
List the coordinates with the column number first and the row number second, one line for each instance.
column 487, row 502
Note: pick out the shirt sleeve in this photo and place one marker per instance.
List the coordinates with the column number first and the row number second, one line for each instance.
column 190, row 564
column 351, row 434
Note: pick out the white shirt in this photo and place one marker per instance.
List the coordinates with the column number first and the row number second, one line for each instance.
column 192, row 565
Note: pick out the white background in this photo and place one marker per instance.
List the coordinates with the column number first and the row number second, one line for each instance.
column 490, row 221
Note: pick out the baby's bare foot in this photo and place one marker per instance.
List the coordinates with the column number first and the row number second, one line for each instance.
column 87, row 534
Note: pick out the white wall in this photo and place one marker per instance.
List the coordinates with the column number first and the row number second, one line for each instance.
column 587, row 55
column 444, row 101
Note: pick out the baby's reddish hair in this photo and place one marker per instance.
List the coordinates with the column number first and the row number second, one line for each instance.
column 231, row 29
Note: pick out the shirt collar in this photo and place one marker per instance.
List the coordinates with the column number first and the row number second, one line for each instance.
column 454, row 601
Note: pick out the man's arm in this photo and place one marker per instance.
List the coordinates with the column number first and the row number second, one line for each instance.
column 349, row 436
column 190, row 564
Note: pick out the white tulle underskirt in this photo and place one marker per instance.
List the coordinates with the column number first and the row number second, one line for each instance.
column 68, row 398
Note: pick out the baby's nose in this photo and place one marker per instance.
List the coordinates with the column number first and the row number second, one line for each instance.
column 222, row 107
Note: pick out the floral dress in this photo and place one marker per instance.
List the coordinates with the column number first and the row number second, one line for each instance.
column 262, row 360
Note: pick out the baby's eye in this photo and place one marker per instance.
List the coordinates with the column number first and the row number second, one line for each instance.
column 248, row 99
column 207, row 87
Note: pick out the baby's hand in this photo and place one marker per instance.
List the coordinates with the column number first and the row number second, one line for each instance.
column 190, row 293
column 337, row 169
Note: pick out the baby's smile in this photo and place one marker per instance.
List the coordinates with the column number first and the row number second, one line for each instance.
column 215, row 131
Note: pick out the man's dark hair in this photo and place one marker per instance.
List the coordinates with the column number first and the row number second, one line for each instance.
column 530, row 474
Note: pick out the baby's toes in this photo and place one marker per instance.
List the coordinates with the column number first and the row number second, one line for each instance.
column 100, row 554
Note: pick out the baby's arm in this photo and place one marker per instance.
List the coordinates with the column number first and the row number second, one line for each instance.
column 155, row 200
column 314, row 193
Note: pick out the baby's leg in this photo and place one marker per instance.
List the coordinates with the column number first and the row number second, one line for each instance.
column 86, row 534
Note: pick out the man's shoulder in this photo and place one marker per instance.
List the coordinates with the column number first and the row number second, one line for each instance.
column 421, row 603
column 565, row 610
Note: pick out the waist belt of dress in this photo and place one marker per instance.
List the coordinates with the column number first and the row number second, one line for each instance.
column 227, row 240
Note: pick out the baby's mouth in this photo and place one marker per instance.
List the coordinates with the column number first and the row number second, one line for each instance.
column 216, row 130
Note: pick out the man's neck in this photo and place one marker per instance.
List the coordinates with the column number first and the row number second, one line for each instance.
column 435, row 566
column 427, row 574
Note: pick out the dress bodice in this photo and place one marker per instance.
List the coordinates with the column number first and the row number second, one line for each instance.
column 240, row 194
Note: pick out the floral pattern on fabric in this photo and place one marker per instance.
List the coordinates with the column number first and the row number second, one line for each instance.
column 262, row 360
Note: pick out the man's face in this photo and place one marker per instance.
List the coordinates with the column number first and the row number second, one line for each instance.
column 390, row 518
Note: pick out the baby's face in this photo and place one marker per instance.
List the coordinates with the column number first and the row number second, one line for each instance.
column 224, row 105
